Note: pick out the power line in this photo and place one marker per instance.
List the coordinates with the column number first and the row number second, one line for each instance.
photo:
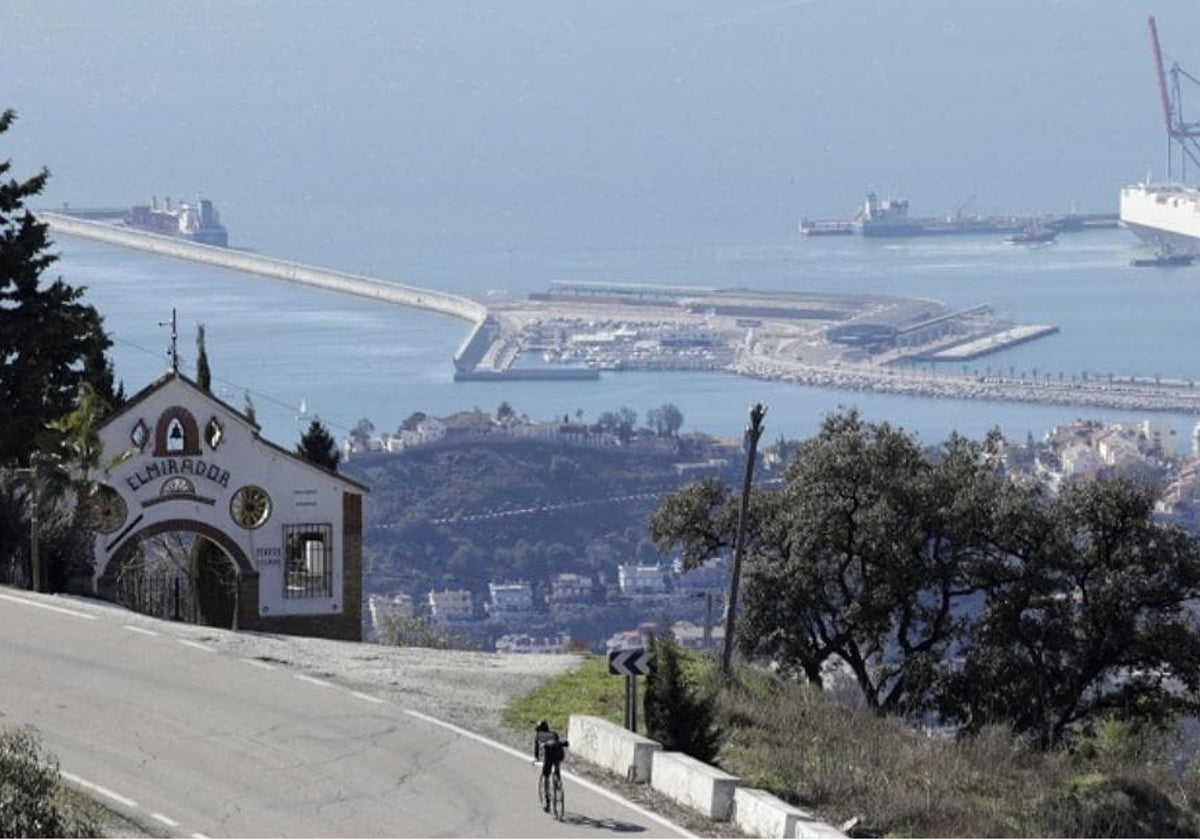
column 235, row 386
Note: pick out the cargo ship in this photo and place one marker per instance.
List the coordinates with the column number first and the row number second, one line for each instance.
column 1164, row 216
column 199, row 223
column 889, row 218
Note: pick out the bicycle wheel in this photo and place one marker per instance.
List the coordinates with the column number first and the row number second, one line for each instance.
column 541, row 790
column 560, row 799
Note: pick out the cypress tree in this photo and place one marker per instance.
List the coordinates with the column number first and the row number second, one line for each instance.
column 214, row 578
column 203, row 373
column 677, row 714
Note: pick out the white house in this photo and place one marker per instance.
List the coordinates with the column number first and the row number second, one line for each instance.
column 181, row 460
column 451, row 605
column 568, row 586
column 508, row 598
column 1080, row 460
column 642, row 580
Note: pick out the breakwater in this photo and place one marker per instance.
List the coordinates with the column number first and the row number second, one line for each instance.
column 382, row 290
column 1126, row 393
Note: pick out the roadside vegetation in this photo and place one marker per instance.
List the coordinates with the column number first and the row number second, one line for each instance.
column 840, row 760
column 33, row 800
column 936, row 649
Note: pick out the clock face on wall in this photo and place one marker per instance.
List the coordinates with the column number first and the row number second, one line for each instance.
column 108, row 510
column 250, row 506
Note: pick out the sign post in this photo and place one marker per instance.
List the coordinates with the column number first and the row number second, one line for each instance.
column 629, row 662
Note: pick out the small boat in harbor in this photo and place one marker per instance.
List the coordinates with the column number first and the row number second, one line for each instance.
column 1032, row 235
column 1164, row 257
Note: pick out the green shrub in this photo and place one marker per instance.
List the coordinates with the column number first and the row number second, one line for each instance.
column 1100, row 806
column 30, row 793
column 679, row 715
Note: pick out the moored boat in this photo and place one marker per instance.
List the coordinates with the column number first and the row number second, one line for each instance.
column 1032, row 235
column 1166, row 216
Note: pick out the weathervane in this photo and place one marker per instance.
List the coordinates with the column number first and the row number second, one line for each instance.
column 174, row 350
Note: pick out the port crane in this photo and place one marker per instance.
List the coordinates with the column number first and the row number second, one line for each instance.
column 1182, row 137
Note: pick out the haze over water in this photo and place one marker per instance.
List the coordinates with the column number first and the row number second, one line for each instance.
column 484, row 148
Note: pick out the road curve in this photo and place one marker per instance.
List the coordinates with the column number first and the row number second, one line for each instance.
column 195, row 741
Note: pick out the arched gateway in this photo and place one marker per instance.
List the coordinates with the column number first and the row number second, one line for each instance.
column 187, row 462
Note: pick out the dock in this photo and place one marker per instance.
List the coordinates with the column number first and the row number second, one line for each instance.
column 990, row 344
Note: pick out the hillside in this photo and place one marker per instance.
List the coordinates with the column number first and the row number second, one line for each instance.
column 462, row 514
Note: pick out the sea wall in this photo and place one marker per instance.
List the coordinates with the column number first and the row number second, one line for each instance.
column 382, row 290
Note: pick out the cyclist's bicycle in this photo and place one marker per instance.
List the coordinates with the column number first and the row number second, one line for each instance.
column 558, row 800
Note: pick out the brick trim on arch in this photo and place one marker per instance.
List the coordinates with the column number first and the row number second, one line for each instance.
column 188, row 427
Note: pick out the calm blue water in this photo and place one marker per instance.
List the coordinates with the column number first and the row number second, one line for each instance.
column 472, row 145
column 351, row 359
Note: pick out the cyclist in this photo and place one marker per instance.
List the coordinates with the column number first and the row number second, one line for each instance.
column 551, row 750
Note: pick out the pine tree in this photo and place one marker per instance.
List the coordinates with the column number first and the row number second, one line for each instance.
column 318, row 446
column 50, row 342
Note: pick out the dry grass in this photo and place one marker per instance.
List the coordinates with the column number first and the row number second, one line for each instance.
column 839, row 761
column 842, row 762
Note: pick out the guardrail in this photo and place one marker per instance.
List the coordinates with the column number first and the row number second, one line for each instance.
column 692, row 783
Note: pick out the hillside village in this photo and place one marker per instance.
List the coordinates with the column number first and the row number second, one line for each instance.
column 533, row 615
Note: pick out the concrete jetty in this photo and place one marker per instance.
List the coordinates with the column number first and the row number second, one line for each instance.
column 322, row 278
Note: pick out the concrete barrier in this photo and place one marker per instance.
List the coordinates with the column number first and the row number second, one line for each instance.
column 693, row 783
column 612, row 747
column 761, row 814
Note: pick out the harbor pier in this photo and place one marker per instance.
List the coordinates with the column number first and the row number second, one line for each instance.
column 577, row 330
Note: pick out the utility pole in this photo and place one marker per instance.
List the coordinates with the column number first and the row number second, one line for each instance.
column 173, row 351
column 35, row 562
column 754, row 431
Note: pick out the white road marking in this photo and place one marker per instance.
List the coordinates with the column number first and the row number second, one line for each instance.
column 165, row 820
column 258, row 663
column 95, row 788
column 51, row 607
column 366, row 697
column 312, row 680
column 524, row 757
column 196, row 645
column 141, row 630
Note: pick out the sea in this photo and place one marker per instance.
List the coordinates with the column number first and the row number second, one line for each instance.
column 297, row 353
column 489, row 148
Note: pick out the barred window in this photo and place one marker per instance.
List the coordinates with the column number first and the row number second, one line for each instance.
column 309, row 569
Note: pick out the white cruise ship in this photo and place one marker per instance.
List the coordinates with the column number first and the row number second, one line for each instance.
column 1164, row 216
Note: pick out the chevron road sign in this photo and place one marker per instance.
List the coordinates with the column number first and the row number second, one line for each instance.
column 629, row 662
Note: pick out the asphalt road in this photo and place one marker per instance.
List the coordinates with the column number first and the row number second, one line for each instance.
column 199, row 742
